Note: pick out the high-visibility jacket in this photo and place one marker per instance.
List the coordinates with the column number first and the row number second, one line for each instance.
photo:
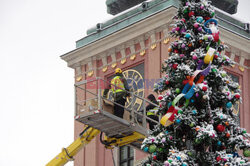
column 117, row 85
column 152, row 111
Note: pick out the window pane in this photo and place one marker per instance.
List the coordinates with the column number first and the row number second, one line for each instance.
column 131, row 163
column 123, row 153
column 124, row 164
column 131, row 152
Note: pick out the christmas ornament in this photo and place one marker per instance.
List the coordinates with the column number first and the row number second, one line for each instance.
column 246, row 153
column 210, row 27
column 152, row 148
column 220, row 128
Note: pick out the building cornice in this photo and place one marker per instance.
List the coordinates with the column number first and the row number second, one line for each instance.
column 122, row 37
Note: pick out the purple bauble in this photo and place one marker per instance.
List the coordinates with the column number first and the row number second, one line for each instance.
column 163, row 140
column 183, row 45
column 173, row 30
column 166, row 163
column 197, row 94
column 177, row 28
column 175, row 43
column 200, row 29
column 183, row 30
column 187, row 3
column 202, row 7
column 182, row 55
column 209, row 37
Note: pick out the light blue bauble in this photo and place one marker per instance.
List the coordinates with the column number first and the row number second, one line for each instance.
column 229, row 105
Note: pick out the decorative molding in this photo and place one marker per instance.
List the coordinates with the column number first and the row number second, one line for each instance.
column 136, row 30
column 104, row 64
column 123, row 59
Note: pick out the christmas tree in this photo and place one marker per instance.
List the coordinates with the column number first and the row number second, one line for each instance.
column 196, row 96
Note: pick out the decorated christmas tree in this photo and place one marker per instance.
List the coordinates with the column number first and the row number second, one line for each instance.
column 196, row 97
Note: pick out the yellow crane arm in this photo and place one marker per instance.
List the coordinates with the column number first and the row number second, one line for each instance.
column 85, row 137
column 68, row 153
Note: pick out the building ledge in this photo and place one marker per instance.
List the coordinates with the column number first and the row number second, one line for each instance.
column 147, row 9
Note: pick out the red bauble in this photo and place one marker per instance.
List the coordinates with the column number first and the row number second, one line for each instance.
column 167, row 82
column 184, row 82
column 160, row 105
column 218, row 158
column 204, row 88
column 175, row 66
column 183, row 20
column 215, row 56
column 155, row 158
column 160, row 97
column 190, row 14
column 176, row 51
column 237, row 96
column 207, row 18
column 220, row 128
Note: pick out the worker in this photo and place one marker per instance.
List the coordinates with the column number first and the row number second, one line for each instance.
column 119, row 87
column 152, row 111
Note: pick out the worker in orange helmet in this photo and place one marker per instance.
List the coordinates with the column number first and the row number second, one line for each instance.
column 120, row 89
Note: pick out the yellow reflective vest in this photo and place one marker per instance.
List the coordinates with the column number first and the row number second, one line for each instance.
column 152, row 111
column 117, row 85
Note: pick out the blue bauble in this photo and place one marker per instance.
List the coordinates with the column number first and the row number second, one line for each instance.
column 229, row 105
column 178, row 158
column 187, row 35
column 145, row 149
column 194, row 112
column 199, row 19
column 219, row 143
column 178, row 121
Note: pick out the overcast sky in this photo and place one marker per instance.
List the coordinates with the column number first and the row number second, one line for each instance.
column 36, row 86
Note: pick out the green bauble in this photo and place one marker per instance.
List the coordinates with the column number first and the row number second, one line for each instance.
column 152, row 148
column 180, row 112
column 214, row 70
column 178, row 90
column 185, row 11
column 246, row 153
column 159, row 150
column 205, row 37
column 191, row 124
column 197, row 141
column 190, row 154
column 223, row 74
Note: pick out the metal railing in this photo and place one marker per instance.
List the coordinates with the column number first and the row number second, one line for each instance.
column 95, row 90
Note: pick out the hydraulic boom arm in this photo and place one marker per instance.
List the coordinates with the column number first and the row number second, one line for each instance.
column 67, row 153
column 85, row 137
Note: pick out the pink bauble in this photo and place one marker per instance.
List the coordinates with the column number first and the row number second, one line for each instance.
column 194, row 57
column 196, row 25
column 166, row 163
